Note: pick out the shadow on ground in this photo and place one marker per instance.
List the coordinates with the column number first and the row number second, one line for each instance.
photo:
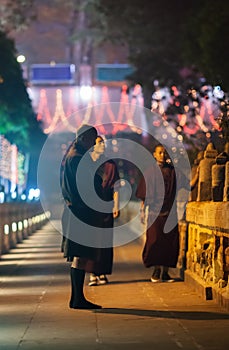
column 186, row 315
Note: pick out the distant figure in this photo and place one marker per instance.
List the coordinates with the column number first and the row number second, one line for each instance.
column 77, row 209
column 157, row 190
column 109, row 176
column 85, row 73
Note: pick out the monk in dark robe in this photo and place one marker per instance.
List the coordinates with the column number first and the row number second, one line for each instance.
column 80, row 221
column 157, row 190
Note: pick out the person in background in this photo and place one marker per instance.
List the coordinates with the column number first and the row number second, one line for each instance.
column 108, row 173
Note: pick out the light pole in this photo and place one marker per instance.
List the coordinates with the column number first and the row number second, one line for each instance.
column 21, row 59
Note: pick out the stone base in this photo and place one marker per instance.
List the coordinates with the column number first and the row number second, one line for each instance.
column 206, row 291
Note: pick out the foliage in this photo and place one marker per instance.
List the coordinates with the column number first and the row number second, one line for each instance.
column 165, row 36
column 17, row 119
column 86, row 28
column 15, row 14
column 207, row 40
column 224, row 119
column 153, row 31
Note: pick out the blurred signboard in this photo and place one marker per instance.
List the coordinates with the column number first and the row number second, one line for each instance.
column 53, row 74
column 113, row 72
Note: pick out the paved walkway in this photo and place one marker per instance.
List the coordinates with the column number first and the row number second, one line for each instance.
column 136, row 314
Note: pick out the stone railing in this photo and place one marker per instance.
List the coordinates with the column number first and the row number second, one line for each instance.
column 207, row 257
column 19, row 220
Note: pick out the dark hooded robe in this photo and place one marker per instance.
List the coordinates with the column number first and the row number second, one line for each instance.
column 80, row 240
column 93, row 258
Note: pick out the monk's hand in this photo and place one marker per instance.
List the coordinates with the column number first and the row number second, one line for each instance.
column 142, row 215
column 115, row 213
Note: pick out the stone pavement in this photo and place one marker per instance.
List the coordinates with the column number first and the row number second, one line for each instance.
column 136, row 314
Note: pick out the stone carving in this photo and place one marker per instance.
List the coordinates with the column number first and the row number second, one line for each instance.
column 226, row 265
column 205, row 177
column 206, row 263
column 194, row 171
column 218, row 260
column 226, row 183
column 218, row 177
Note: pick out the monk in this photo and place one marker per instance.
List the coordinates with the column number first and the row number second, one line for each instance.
column 157, row 190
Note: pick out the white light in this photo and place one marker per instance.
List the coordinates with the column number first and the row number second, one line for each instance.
column 34, row 193
column 217, row 92
column 14, row 195
column 23, row 197
column 37, row 193
column 31, row 194
column 48, row 214
column 2, row 197
column 20, row 225
column 72, row 68
column 14, row 227
column 21, row 58
column 85, row 92
column 6, row 229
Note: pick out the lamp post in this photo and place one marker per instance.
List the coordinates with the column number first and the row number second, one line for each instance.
column 21, row 59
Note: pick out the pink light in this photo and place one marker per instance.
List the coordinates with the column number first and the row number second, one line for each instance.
column 14, row 170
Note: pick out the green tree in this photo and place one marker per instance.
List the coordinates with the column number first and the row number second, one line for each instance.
column 207, row 40
column 153, row 31
column 16, row 14
column 82, row 38
column 165, row 36
column 17, row 118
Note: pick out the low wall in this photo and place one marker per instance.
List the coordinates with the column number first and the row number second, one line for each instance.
column 207, row 257
column 17, row 221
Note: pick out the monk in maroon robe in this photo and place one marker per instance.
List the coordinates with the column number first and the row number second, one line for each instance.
column 108, row 173
column 157, row 190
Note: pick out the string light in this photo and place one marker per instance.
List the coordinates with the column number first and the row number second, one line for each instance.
column 98, row 106
column 73, row 110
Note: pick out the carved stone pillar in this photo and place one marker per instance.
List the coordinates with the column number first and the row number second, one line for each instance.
column 194, row 192
column 205, row 174
column 218, row 177
column 226, row 266
column 226, row 183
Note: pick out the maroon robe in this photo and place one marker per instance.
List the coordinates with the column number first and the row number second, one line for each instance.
column 161, row 248
column 104, row 262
